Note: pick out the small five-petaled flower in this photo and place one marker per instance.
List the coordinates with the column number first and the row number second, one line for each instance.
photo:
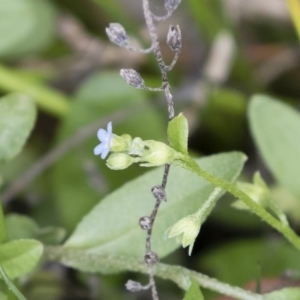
column 105, row 138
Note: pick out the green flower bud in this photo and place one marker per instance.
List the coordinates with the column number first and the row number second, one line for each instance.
column 119, row 161
column 186, row 231
column 137, row 147
column 258, row 192
column 157, row 154
column 120, row 143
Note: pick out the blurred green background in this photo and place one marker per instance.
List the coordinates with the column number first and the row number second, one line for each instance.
column 57, row 52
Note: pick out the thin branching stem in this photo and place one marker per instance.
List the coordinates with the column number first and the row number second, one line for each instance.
column 149, row 17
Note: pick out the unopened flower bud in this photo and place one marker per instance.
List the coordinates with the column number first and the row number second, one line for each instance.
column 133, row 286
column 117, row 34
column 119, row 161
column 159, row 193
column 145, row 223
column 120, row 143
column 158, row 154
column 171, row 5
column 132, row 77
column 186, row 231
column 174, row 38
column 151, row 258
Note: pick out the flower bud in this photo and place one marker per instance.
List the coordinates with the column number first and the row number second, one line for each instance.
column 174, row 38
column 133, row 286
column 117, row 34
column 120, row 143
column 145, row 223
column 186, row 231
column 132, row 77
column 171, row 5
column 158, row 154
column 159, row 193
column 151, row 258
column 119, row 161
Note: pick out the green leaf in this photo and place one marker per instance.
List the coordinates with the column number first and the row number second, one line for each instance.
column 3, row 296
column 178, row 132
column 194, row 292
column 20, row 21
column 11, row 286
column 22, row 227
column 276, row 130
column 245, row 256
column 75, row 185
column 112, row 226
column 108, row 263
column 17, row 117
column 20, row 256
column 284, row 294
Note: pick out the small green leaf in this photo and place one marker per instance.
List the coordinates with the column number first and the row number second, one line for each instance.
column 276, row 130
column 22, row 227
column 178, row 133
column 112, row 226
column 194, row 292
column 284, row 294
column 20, row 256
column 11, row 286
column 17, row 117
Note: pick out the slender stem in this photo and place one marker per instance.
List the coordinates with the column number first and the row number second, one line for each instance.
column 149, row 18
column 159, row 58
column 145, row 51
column 162, row 18
column 11, row 286
column 170, row 67
column 76, row 258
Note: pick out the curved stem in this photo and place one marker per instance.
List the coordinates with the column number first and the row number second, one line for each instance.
column 191, row 165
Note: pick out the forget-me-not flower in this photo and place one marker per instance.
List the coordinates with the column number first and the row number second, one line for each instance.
column 105, row 138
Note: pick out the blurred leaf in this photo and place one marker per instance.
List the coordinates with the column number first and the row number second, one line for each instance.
column 46, row 98
column 210, row 16
column 284, row 294
column 17, row 117
column 194, row 292
column 22, row 227
column 20, row 256
column 10, row 285
column 224, row 105
column 294, row 8
column 290, row 205
column 76, row 191
column 276, row 130
column 112, row 8
column 111, row 227
column 3, row 231
column 20, row 21
column 3, row 296
column 244, row 257
column 178, row 132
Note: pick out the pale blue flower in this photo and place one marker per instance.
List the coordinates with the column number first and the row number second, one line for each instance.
column 105, row 138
